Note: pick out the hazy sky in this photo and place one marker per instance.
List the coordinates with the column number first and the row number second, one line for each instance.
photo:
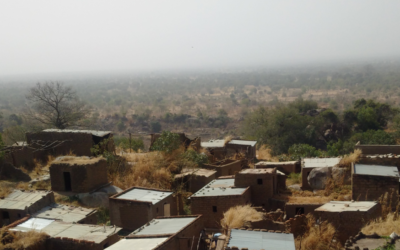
column 63, row 36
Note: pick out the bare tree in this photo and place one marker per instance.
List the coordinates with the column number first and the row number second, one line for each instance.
column 53, row 104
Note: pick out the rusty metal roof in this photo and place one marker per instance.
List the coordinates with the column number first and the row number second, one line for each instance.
column 347, row 206
column 20, row 200
column 92, row 132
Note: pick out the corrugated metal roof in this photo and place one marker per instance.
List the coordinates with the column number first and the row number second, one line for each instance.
column 20, row 200
column 61, row 229
column 164, row 226
column 257, row 171
column 92, row 132
column 257, row 240
column 219, row 187
column 346, row 206
column 320, row 162
column 376, row 170
column 145, row 195
column 138, row 244
column 64, row 213
column 213, row 144
column 267, row 163
column 243, row 142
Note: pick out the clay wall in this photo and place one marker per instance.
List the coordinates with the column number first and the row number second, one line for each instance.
column 281, row 182
column 68, row 243
column 207, row 206
column 378, row 149
column 274, row 204
column 293, row 209
column 371, row 188
column 304, row 174
column 225, row 167
column 248, row 151
column 290, row 167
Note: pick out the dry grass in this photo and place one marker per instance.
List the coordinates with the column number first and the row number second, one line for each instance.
column 348, row 159
column 317, row 236
column 239, row 216
column 264, row 153
column 228, row 139
column 21, row 240
column 339, row 193
column 77, row 160
column 383, row 227
column 6, row 188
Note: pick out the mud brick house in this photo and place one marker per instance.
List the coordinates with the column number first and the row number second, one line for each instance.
column 136, row 206
column 66, row 236
column 378, row 149
column 216, row 198
column 286, row 167
column 241, row 239
column 78, row 174
column 309, row 164
column 369, row 182
column 20, row 155
column 165, row 233
column 225, row 167
column 348, row 216
column 281, row 180
column 67, row 213
column 20, row 203
column 263, row 184
column 63, row 141
column 194, row 179
column 216, row 148
column 246, row 148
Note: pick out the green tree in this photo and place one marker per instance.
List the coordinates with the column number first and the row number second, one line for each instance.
column 298, row 151
column 123, row 142
column 193, row 156
column 155, row 127
column 167, row 142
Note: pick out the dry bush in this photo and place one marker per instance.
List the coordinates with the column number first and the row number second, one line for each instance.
column 239, row 216
column 264, row 153
column 6, row 188
column 317, row 236
column 77, row 160
column 346, row 161
column 227, row 139
column 21, row 240
column 383, row 227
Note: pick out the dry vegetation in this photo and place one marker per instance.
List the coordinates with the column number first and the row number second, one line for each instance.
column 239, row 216
column 264, row 153
column 348, row 159
column 21, row 240
column 77, row 160
column 383, row 227
column 317, row 236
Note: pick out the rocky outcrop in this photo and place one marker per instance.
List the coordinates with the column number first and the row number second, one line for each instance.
column 341, row 176
column 9, row 172
column 318, row 177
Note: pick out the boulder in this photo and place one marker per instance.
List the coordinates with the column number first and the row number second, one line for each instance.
column 111, row 190
column 96, row 199
column 318, row 177
column 341, row 176
column 295, row 187
column 9, row 172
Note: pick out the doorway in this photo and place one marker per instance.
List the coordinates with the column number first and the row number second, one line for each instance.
column 167, row 209
column 67, row 181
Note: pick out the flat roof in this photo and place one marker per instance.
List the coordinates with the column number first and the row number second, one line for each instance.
column 219, row 187
column 62, row 229
column 267, row 163
column 377, row 170
column 213, row 144
column 196, row 171
column 138, row 243
column 243, row 142
column 21, row 199
column 320, row 162
column 164, row 226
column 148, row 195
column 92, row 132
column 63, row 213
column 257, row 171
column 346, row 206
column 257, row 240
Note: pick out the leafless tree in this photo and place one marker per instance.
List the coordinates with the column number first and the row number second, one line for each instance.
column 53, row 104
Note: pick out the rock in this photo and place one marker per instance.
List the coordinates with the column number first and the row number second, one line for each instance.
column 318, row 177
column 9, row 172
column 295, row 187
column 110, row 190
column 341, row 176
column 96, row 199
column 41, row 178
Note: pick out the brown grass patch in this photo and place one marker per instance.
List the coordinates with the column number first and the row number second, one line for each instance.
column 21, row 240
column 227, row 139
column 77, row 160
column 317, row 236
column 239, row 216
column 348, row 159
column 264, row 153
column 6, row 188
column 383, row 226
